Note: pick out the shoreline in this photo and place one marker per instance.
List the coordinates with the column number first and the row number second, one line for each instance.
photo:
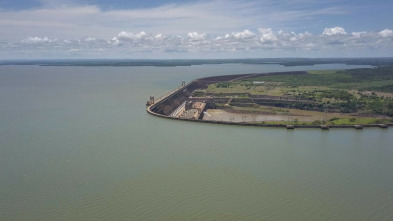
column 207, row 80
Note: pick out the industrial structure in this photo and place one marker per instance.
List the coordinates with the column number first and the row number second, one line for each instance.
column 180, row 105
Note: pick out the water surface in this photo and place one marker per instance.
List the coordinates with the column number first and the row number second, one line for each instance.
column 77, row 144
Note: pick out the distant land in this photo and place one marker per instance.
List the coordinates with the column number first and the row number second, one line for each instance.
column 188, row 62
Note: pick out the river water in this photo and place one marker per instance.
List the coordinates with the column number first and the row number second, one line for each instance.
column 77, row 144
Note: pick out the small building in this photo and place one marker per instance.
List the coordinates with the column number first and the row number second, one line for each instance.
column 258, row 82
column 193, row 110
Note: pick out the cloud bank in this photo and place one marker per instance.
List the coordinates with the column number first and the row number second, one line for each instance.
column 264, row 41
column 216, row 28
column 334, row 31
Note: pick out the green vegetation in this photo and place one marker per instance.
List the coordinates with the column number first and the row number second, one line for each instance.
column 365, row 92
column 360, row 79
column 338, row 121
column 223, row 85
column 354, row 121
column 384, row 88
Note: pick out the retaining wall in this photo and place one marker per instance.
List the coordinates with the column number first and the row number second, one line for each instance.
column 164, row 107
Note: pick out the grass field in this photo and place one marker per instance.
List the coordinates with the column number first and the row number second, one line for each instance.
column 356, row 92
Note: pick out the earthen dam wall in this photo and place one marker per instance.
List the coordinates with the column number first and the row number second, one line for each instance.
column 164, row 107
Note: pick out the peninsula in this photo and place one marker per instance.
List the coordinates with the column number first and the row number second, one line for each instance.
column 354, row 98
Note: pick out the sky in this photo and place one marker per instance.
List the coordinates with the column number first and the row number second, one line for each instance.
column 166, row 29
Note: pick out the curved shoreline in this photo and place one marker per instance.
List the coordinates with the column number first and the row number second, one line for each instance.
column 208, row 80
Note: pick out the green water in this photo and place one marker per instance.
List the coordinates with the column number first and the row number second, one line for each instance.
column 77, row 144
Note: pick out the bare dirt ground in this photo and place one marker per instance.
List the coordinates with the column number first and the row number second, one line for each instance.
column 270, row 114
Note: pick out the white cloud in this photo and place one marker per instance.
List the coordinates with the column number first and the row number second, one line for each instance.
column 267, row 35
column 90, row 39
column 131, row 36
column 194, row 36
column 386, row 33
column 114, row 41
column 190, row 27
column 334, row 31
column 159, row 36
column 358, row 34
column 35, row 40
column 305, row 35
column 246, row 34
column 265, row 40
